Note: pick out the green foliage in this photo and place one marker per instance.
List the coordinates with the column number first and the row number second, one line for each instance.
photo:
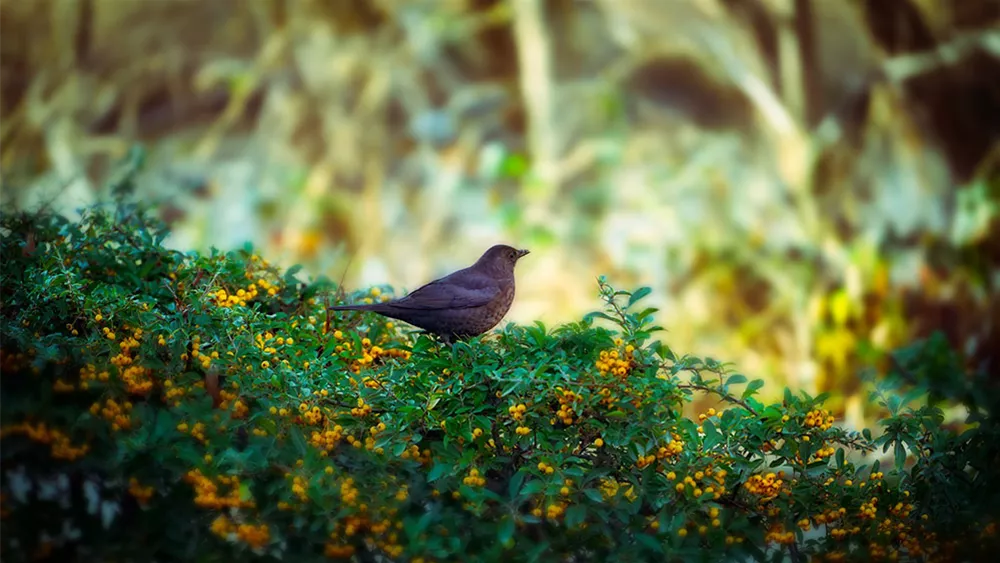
column 172, row 406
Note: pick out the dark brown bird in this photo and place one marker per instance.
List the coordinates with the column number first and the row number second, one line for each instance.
column 462, row 304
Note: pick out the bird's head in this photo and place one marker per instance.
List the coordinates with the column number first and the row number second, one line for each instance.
column 501, row 257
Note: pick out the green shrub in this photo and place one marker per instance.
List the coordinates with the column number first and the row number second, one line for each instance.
column 160, row 405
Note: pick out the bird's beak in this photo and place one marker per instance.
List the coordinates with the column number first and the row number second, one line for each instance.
column 521, row 253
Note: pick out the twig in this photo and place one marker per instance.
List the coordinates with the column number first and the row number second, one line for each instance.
column 725, row 396
column 386, row 389
column 900, row 68
column 609, row 296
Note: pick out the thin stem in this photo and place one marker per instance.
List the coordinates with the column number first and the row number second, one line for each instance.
column 725, row 396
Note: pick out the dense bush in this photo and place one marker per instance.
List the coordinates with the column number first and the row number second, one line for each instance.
column 159, row 405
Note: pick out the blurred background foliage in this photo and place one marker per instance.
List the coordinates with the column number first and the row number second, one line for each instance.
column 806, row 184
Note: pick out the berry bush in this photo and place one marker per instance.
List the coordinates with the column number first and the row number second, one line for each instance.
column 162, row 406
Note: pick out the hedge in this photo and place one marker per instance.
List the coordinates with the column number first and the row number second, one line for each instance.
column 169, row 406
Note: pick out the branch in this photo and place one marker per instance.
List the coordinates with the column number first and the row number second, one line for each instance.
column 724, row 396
column 901, row 68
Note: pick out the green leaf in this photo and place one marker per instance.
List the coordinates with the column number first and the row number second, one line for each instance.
column 817, row 468
column 438, row 471
column 290, row 274
column 575, row 515
column 594, row 495
column 514, row 486
column 299, row 442
column 736, row 379
column 712, row 434
column 638, row 294
column 532, row 487
column 506, row 530
column 398, row 449
column 894, row 402
column 650, row 542
column 599, row 315
column 646, row 312
column 900, row 454
column 805, row 449
column 771, row 413
column 510, row 388
column 753, row 387
column 663, row 351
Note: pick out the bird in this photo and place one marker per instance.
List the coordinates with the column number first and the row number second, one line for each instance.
column 460, row 305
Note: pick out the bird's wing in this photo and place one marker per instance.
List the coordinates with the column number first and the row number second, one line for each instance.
column 460, row 290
